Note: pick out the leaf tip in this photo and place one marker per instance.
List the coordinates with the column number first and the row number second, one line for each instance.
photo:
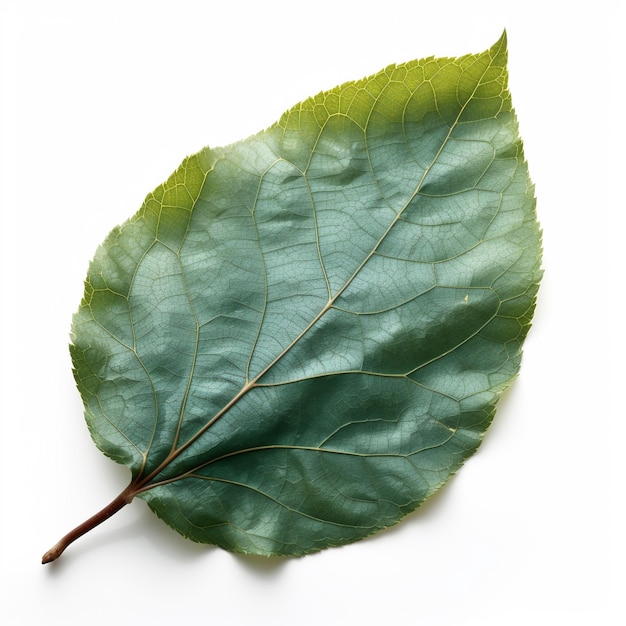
column 501, row 44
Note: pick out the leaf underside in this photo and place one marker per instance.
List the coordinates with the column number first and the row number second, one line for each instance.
column 301, row 336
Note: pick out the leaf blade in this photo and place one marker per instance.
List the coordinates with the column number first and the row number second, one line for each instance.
column 300, row 337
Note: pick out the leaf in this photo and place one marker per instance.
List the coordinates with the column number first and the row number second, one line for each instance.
column 300, row 337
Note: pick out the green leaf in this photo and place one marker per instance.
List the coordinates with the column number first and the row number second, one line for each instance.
column 300, row 337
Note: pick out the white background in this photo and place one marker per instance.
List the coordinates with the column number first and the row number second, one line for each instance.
column 100, row 103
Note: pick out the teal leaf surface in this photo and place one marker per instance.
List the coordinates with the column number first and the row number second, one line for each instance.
column 301, row 336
